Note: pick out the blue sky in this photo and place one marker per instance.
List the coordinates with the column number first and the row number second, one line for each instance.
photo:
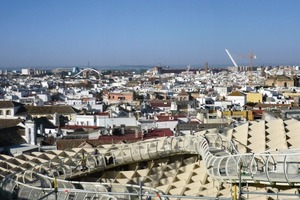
column 148, row 32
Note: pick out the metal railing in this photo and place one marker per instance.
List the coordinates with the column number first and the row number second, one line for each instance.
column 222, row 161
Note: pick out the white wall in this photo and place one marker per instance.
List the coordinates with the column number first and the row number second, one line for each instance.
column 30, row 132
column 223, row 91
column 73, row 102
column 237, row 100
column 86, row 120
column 128, row 121
column 25, row 72
column 223, row 104
column 5, row 115
column 97, row 107
column 167, row 124
column 44, row 97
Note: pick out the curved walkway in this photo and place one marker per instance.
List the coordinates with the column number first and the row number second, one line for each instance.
column 222, row 161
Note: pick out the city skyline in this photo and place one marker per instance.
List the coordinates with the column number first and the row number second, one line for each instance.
column 113, row 33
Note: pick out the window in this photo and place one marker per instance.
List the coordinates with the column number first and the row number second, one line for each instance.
column 8, row 112
column 1, row 112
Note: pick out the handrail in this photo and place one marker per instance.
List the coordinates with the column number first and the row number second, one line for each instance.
column 219, row 155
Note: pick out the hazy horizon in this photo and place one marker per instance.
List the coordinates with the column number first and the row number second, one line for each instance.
column 131, row 67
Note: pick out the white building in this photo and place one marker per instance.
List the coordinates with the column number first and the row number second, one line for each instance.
column 86, row 120
column 223, row 104
column 237, row 97
column 8, row 109
column 26, row 71
column 223, row 90
column 44, row 97
column 74, row 102
column 104, row 120
column 30, row 132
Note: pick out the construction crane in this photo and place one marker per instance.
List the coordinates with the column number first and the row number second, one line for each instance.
column 234, row 63
column 251, row 57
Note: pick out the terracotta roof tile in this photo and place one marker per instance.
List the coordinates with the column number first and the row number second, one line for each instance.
column 6, row 104
column 236, row 93
column 50, row 110
column 160, row 103
column 161, row 118
column 129, row 137
column 10, row 136
column 6, row 123
column 9, row 104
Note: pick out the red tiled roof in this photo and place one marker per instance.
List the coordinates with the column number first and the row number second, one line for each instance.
column 6, row 104
column 62, row 109
column 9, row 104
column 10, row 136
column 236, row 93
column 162, row 132
column 166, row 118
column 129, row 137
column 102, row 114
column 160, row 103
column 257, row 113
column 6, row 123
